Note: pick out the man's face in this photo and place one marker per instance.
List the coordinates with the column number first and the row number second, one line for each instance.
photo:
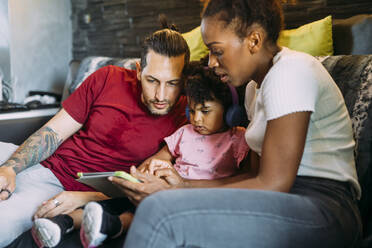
column 161, row 81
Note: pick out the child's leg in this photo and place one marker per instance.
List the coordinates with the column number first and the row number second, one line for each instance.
column 49, row 232
column 101, row 221
column 125, row 220
column 77, row 217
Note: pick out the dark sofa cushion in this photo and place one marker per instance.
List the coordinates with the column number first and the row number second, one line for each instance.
column 353, row 35
column 353, row 75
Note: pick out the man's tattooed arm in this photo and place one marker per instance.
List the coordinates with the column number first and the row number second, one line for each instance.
column 35, row 149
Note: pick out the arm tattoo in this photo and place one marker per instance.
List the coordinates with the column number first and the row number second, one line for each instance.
column 35, row 149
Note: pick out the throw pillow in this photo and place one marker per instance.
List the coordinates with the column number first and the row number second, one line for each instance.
column 197, row 48
column 314, row 38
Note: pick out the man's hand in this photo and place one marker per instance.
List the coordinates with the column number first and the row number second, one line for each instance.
column 66, row 202
column 7, row 182
column 136, row 192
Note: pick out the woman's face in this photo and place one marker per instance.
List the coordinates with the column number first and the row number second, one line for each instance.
column 229, row 55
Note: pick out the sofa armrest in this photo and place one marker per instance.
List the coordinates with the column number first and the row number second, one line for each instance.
column 91, row 64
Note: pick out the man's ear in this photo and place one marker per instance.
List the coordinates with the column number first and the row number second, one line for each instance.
column 138, row 70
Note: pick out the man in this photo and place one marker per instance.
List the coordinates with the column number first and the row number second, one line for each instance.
column 115, row 119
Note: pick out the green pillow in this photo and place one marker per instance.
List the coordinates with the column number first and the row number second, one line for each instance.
column 314, row 38
column 197, row 48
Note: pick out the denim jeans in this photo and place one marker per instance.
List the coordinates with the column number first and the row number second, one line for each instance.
column 316, row 213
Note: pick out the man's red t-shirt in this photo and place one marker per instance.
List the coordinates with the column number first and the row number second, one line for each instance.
column 118, row 130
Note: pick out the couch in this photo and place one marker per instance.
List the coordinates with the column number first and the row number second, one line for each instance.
column 353, row 75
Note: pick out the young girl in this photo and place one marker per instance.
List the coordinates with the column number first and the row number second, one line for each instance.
column 211, row 147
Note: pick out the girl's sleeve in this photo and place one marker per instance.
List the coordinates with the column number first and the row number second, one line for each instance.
column 173, row 141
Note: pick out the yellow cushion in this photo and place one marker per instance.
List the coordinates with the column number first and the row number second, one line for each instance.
column 197, row 48
column 314, row 38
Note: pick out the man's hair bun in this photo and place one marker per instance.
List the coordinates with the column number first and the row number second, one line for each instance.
column 164, row 23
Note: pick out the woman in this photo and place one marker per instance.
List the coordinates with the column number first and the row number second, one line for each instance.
column 305, row 191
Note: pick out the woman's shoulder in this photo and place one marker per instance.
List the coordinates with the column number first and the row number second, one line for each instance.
column 293, row 67
column 295, row 59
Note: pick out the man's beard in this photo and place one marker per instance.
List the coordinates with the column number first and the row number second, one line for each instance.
column 153, row 110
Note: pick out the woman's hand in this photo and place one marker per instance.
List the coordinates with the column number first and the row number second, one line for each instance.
column 66, row 202
column 136, row 192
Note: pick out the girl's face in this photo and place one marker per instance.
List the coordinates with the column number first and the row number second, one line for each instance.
column 207, row 118
column 229, row 55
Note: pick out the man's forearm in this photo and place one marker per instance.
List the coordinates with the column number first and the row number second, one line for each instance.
column 35, row 149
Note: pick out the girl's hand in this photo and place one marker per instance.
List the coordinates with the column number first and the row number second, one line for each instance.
column 171, row 176
column 151, row 164
column 157, row 164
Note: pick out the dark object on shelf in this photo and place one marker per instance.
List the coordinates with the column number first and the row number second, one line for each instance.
column 35, row 104
column 6, row 107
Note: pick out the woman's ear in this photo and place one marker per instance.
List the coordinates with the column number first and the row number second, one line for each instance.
column 255, row 40
column 138, row 70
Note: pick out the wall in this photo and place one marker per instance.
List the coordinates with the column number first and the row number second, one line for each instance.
column 4, row 40
column 41, row 44
column 305, row 11
column 117, row 27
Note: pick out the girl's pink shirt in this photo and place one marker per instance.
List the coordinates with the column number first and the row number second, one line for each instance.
column 207, row 156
